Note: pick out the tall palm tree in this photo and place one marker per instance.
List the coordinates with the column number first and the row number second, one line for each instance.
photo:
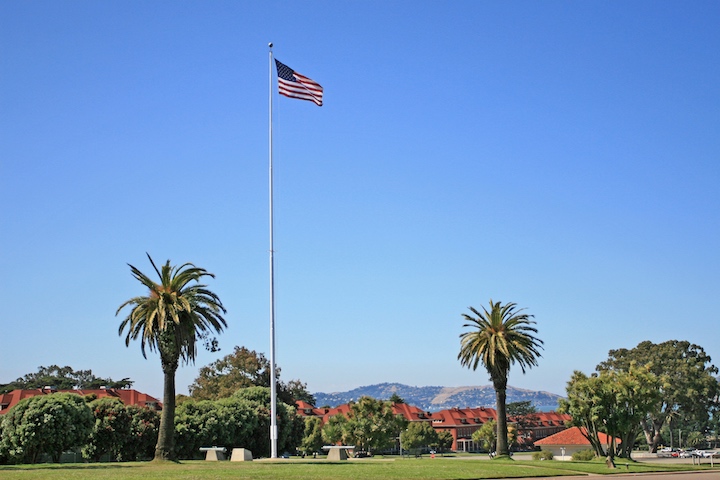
column 170, row 319
column 499, row 338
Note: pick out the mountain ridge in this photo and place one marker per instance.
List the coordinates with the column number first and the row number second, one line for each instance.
column 435, row 398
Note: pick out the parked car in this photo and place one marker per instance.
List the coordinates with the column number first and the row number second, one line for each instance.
column 668, row 452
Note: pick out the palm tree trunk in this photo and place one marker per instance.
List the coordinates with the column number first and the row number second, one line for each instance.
column 502, row 429
column 165, row 448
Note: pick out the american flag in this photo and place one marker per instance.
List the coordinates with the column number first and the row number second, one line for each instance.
column 293, row 85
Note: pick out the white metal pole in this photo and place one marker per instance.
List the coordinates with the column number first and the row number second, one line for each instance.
column 273, row 386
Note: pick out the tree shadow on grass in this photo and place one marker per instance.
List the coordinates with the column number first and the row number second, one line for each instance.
column 62, row 466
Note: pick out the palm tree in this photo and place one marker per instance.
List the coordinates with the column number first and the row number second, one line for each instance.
column 499, row 338
column 170, row 319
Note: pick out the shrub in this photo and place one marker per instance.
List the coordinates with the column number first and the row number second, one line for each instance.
column 583, row 455
column 45, row 424
column 144, row 429
column 542, row 455
column 111, row 430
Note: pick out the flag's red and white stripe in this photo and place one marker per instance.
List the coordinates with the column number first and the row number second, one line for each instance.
column 293, row 85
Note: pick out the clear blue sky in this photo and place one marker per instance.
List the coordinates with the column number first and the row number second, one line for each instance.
column 561, row 155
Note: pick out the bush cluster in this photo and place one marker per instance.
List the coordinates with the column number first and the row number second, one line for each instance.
column 46, row 426
column 542, row 455
column 584, row 455
column 42, row 428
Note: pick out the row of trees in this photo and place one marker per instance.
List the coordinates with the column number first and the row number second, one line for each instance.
column 371, row 426
column 63, row 378
column 108, row 429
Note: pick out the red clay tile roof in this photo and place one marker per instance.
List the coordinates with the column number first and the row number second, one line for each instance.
column 572, row 436
column 548, row 419
column 410, row 412
column 464, row 416
column 128, row 397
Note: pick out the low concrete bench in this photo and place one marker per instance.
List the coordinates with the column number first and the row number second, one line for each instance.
column 214, row 454
column 338, row 452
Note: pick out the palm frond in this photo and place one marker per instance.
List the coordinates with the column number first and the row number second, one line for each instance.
column 498, row 338
column 178, row 309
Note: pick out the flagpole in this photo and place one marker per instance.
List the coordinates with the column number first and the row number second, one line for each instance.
column 273, row 382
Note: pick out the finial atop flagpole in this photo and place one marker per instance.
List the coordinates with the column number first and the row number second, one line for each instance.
column 270, row 45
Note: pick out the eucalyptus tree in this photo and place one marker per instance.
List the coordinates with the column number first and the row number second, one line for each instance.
column 176, row 312
column 497, row 339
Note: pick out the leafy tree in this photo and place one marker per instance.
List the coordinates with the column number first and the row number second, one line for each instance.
column 170, row 319
column 524, row 409
column 585, row 404
column 293, row 391
column 47, row 424
column 371, row 424
column 290, row 425
column 688, row 390
column 63, row 378
column 312, row 436
column 241, row 369
column 111, row 430
column 613, row 403
column 418, row 435
column 230, row 422
column 4, row 458
column 524, row 415
column 396, row 399
column 400, row 425
column 694, row 438
column 445, row 440
column 333, row 432
column 486, row 435
column 498, row 339
column 713, row 427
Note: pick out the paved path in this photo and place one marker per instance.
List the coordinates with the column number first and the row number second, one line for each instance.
column 707, row 475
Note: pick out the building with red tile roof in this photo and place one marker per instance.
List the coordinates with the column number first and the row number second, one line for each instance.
column 127, row 396
column 563, row 444
column 539, row 425
column 411, row 413
column 460, row 422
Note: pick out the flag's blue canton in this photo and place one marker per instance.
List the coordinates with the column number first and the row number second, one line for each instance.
column 285, row 72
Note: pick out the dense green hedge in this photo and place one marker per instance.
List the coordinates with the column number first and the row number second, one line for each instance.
column 106, row 429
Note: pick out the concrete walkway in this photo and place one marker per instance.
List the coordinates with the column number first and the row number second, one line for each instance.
column 707, row 475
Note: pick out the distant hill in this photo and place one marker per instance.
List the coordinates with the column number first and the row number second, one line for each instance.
column 433, row 399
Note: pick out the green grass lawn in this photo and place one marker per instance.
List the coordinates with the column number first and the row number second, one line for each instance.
column 391, row 467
